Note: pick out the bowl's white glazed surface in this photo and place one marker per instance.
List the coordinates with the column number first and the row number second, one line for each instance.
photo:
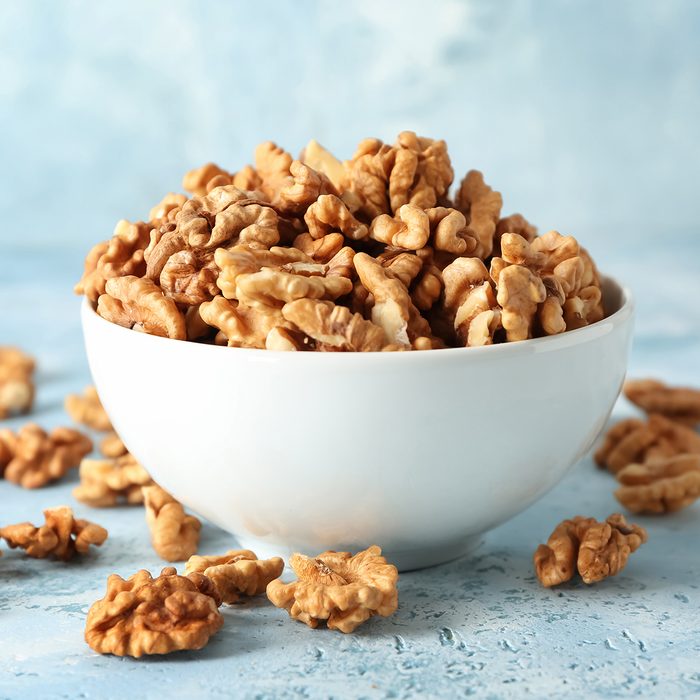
column 418, row 452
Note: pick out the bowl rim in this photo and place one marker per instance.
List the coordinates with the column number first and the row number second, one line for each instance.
column 531, row 345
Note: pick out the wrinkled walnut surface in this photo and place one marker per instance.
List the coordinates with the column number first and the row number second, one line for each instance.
column 680, row 404
column 236, row 573
column 633, row 440
column 341, row 589
column 16, row 381
column 375, row 235
column 110, row 482
column 87, row 409
column 61, row 536
column 32, row 457
column 594, row 550
column 174, row 534
column 145, row 615
column 661, row 485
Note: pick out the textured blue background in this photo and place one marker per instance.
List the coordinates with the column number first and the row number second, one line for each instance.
column 584, row 114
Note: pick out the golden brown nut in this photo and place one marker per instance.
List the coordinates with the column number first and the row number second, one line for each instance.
column 189, row 277
column 130, row 302
column 143, row 615
column 16, row 381
column 110, row 482
column 409, row 229
column 273, row 165
column 61, row 536
column 121, row 255
column 236, row 573
column 482, row 207
column 680, row 404
column 111, row 446
column 470, row 301
column 414, row 171
column 661, row 485
column 224, row 216
column 449, row 231
column 404, row 266
column 330, row 213
column 323, row 161
column 174, row 535
column 594, row 549
column 320, row 249
column 87, row 409
column 270, row 289
column 342, row 589
column 515, row 223
column 166, row 210
column 519, row 293
column 241, row 325
column 635, row 441
column 573, row 293
column 334, row 326
column 32, row 458
column 196, row 181
column 303, row 188
column 393, row 310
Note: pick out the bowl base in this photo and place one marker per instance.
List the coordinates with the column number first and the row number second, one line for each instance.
column 404, row 560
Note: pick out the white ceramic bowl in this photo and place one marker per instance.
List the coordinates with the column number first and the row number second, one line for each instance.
column 418, row 452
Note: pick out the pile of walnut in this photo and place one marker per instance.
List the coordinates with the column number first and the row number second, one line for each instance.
column 368, row 254
column 657, row 461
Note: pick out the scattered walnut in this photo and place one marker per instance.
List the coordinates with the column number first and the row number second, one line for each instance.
column 16, row 383
column 111, row 446
column 595, row 549
column 133, row 301
column 334, row 326
column 661, row 485
column 174, row 535
column 681, row 404
column 32, row 458
column 60, row 536
column 482, row 205
column 142, row 615
column 109, row 482
column 87, row 409
column 471, row 302
column 238, row 572
column 342, row 589
column 634, row 441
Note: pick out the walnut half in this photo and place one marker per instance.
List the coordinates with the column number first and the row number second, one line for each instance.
column 342, row 589
column 61, row 536
column 236, row 573
column 146, row 615
column 594, row 549
column 662, row 485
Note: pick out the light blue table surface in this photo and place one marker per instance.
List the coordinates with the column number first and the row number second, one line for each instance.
column 481, row 625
